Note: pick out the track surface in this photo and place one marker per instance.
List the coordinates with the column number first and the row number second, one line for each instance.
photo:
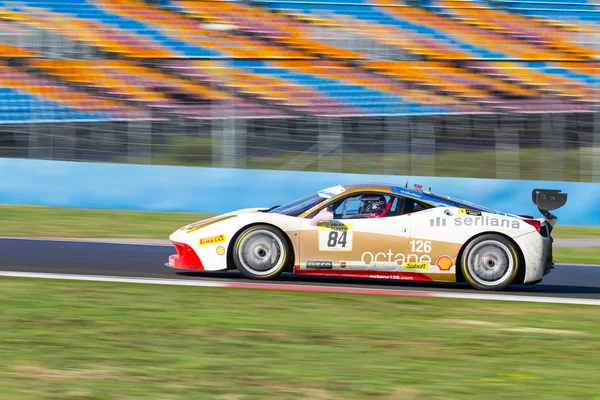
column 148, row 262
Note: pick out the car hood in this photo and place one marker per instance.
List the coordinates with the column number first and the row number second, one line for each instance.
column 221, row 217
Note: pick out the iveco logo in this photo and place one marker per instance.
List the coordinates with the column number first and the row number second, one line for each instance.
column 319, row 264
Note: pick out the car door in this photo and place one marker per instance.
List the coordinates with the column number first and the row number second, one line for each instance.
column 355, row 240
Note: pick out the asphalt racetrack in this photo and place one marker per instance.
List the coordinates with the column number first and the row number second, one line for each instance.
column 146, row 261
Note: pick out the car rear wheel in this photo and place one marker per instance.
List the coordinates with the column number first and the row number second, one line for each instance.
column 490, row 262
column 261, row 252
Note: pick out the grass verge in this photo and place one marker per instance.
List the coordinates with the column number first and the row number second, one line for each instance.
column 90, row 340
column 576, row 232
column 32, row 221
column 587, row 255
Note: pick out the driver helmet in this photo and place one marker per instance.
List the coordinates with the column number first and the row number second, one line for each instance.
column 372, row 204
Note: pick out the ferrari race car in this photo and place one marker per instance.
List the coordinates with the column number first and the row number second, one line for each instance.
column 376, row 231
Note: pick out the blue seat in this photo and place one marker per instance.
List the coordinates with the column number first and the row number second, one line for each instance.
column 363, row 98
column 17, row 106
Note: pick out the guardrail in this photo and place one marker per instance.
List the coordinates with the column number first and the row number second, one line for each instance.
column 195, row 189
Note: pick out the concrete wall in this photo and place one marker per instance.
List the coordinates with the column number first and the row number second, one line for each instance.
column 168, row 188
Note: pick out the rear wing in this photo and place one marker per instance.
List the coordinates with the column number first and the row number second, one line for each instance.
column 546, row 200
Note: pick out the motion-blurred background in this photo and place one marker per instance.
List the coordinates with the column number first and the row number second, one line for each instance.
column 434, row 90
column 498, row 88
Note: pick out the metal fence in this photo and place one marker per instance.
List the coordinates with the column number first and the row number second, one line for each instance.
column 547, row 146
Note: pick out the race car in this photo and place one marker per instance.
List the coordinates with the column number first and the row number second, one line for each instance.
column 376, row 231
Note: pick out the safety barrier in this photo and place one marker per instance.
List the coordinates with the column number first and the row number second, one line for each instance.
column 195, row 189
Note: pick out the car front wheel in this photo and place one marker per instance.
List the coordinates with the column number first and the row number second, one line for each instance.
column 490, row 262
column 261, row 252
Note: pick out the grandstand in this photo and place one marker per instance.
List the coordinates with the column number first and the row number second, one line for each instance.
column 448, row 73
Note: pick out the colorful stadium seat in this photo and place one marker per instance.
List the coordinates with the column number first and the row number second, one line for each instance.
column 279, row 59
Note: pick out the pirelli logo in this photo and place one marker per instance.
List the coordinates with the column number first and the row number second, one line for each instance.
column 212, row 240
column 438, row 221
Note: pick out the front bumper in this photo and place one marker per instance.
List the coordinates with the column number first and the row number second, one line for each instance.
column 186, row 258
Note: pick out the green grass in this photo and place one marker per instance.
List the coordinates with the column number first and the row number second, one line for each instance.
column 587, row 255
column 67, row 340
column 576, row 231
column 33, row 221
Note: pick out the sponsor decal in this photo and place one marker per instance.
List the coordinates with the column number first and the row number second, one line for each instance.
column 195, row 228
column 399, row 277
column 343, row 264
column 372, row 198
column 319, row 264
column 201, row 224
column 461, row 220
column 425, row 211
column 420, row 246
column 335, row 236
column 331, row 191
column 437, row 221
column 212, row 240
column 400, row 190
column 466, row 211
column 416, row 265
column 196, row 225
column 390, row 258
column 337, row 225
column 444, row 263
column 220, row 250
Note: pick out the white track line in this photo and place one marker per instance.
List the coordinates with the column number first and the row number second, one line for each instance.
column 513, row 297
column 577, row 265
column 127, row 241
column 103, row 278
column 286, row 286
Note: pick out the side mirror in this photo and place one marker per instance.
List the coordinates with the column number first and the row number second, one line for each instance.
column 323, row 215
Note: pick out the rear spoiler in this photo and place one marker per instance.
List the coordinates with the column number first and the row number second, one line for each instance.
column 546, row 200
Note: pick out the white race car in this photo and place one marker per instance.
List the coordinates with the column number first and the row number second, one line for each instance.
column 376, row 231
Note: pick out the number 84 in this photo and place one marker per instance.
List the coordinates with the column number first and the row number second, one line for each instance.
column 337, row 238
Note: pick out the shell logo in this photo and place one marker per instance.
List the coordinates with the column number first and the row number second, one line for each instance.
column 220, row 250
column 444, row 263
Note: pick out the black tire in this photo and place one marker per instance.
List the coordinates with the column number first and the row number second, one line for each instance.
column 490, row 262
column 261, row 252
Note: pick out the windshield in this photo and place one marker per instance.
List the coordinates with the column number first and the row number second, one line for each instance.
column 297, row 207
column 461, row 203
